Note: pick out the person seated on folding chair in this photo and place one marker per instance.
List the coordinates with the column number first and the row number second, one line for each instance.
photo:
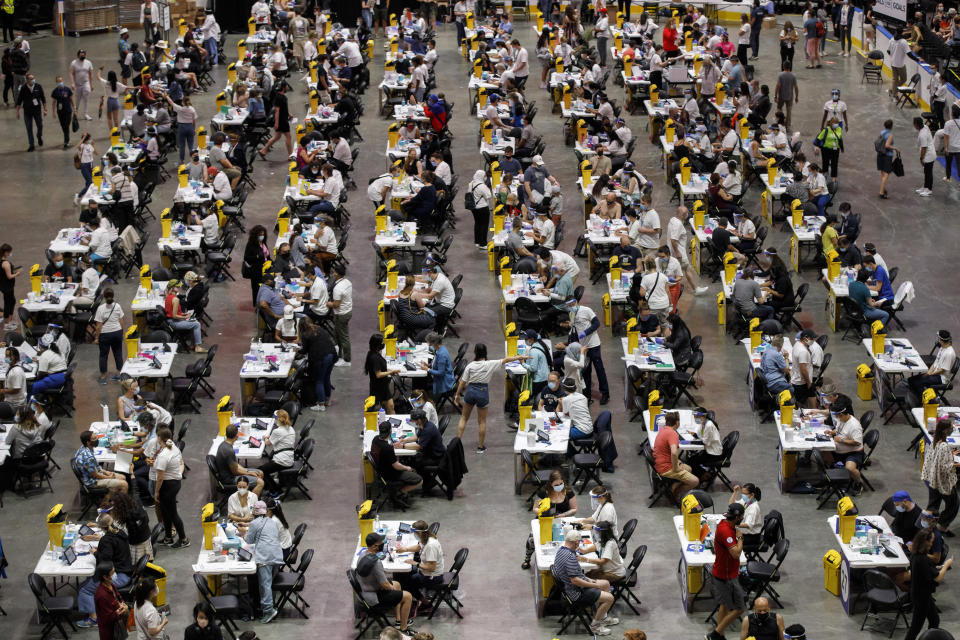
column 440, row 297
column 850, row 256
column 666, row 457
column 389, row 468
column 550, row 398
column 427, row 442
column 182, row 321
column 427, row 572
column 282, row 439
column 747, row 294
column 269, row 301
column 288, row 327
column 712, row 446
column 26, row 432
column 939, row 371
column 373, row 580
column 583, row 592
column 881, row 281
column 574, row 405
column 51, row 367
column 563, row 504
column 860, row 294
column 752, row 523
column 848, row 436
column 761, row 624
column 775, row 368
column 608, row 561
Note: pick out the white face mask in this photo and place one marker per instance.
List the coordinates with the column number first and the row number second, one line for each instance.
column 558, row 487
column 242, row 492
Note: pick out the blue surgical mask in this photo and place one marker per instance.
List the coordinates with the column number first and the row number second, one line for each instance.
column 924, row 523
column 553, row 386
column 558, row 487
column 432, row 349
column 899, row 508
column 6, row 359
column 58, row 263
column 60, row 84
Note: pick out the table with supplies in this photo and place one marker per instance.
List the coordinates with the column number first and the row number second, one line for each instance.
column 397, row 235
column 226, row 557
column 54, row 297
column 265, row 361
column 927, row 427
column 401, row 428
column 401, row 151
column 873, row 546
column 805, row 236
column 837, row 288
column 806, row 432
column 127, row 154
column 184, row 238
column 523, row 285
column 195, row 193
column 394, row 294
column 111, row 433
column 102, row 196
column 231, row 117
column 704, row 236
column 696, row 557
column 60, row 568
column 397, row 533
column 147, row 300
column 152, row 360
column 689, row 429
column 68, row 241
column 546, row 551
column 898, row 360
column 245, row 448
column 496, row 149
column 695, row 188
column 544, row 433
column 404, row 112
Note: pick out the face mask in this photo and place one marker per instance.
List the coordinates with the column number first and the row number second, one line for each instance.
column 58, row 263
column 417, row 404
column 595, row 502
column 573, row 310
column 261, row 238
column 6, row 359
column 746, row 500
column 558, row 487
column 899, row 508
column 60, row 84
column 432, row 349
column 924, row 524
column 242, row 492
column 136, row 389
column 553, row 386
column 834, row 416
column 763, row 617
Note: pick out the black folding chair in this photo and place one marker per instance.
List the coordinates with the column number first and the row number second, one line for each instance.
column 588, row 465
column 539, row 477
column 368, row 613
column 762, row 574
column 870, row 440
column 89, row 496
column 621, row 590
column 290, row 584
column 226, row 608
column 451, row 582
column 627, row 532
column 883, row 595
column 659, row 486
column 836, row 481
column 715, row 468
column 53, row 610
column 572, row 612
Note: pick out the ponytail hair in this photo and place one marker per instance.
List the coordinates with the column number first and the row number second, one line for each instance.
column 753, row 489
column 165, row 436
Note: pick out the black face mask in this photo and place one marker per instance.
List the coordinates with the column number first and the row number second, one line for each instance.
column 762, row 617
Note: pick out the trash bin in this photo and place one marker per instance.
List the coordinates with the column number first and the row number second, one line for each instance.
column 864, row 382
column 831, row 572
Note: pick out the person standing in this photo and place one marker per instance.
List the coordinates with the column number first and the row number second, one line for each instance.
column 757, row 14
column 34, row 104
column 150, row 19
column 255, row 255
column 81, row 81
column 725, row 584
column 951, row 142
column 924, row 578
column 210, row 32
column 831, row 145
column 264, row 534
column 299, row 28
column 6, row 20
column 186, row 124
column 845, row 28
column 342, row 304
column 62, row 97
column 898, row 51
column 8, row 278
column 86, row 153
column 601, row 31
column 928, row 155
column 281, row 122
column 940, row 475
column 787, row 92
column 109, row 333
column 169, row 466
column 481, row 208
column 788, row 42
column 885, row 150
column 583, row 325
column 743, row 37
column 811, row 29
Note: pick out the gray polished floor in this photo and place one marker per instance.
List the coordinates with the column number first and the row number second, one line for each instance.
column 486, row 517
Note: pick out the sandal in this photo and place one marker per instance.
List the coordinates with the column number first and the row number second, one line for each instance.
column 884, row 195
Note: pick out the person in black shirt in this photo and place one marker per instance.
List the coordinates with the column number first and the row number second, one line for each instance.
column 721, row 237
column 849, row 253
column 781, row 289
column 227, row 466
column 375, row 366
column 678, row 340
column 428, row 444
column 62, row 96
column 321, row 354
column 281, row 121
column 389, row 468
column 30, row 98
column 924, row 579
column 904, row 524
column 628, row 256
column 647, row 324
column 761, row 624
column 56, row 270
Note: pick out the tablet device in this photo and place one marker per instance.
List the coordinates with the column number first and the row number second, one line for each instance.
column 255, row 441
column 243, row 555
column 543, row 435
column 86, row 531
column 69, row 556
column 260, row 424
column 394, row 422
column 405, row 528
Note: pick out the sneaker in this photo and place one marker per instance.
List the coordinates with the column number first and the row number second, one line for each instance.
column 341, row 363
column 181, row 543
column 268, row 617
column 945, row 179
column 926, row 193
column 610, row 620
column 316, row 407
column 713, row 635
column 86, row 116
column 87, row 623
column 699, row 291
column 604, row 399
column 115, row 377
column 598, row 629
column 481, row 450
column 919, row 190
column 39, row 141
column 102, row 381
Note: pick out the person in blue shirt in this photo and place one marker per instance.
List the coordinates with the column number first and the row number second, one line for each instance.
column 774, row 367
column 538, row 362
column 849, row 222
column 559, row 291
column 264, row 534
column 271, row 302
column 860, row 293
column 881, row 280
column 419, row 208
column 509, row 164
column 441, row 369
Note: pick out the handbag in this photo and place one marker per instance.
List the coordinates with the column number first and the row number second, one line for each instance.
column 75, row 124
column 898, row 165
column 120, row 629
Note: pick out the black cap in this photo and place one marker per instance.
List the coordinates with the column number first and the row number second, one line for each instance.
column 734, row 510
column 808, row 333
column 374, row 538
column 842, row 405
column 530, row 334
column 569, row 384
column 944, row 335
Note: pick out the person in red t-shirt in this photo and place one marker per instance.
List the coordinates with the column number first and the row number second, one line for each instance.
column 666, row 457
column 725, row 586
column 670, row 47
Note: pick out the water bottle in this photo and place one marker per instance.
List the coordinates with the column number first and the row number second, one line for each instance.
column 381, row 416
column 259, row 350
column 376, row 523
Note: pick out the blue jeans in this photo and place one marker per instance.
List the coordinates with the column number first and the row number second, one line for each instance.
column 821, row 202
column 324, row 206
column 89, row 588
column 29, row 119
column 210, row 44
column 367, row 16
column 86, row 170
column 52, row 381
column 189, row 325
column 322, row 385
column 762, row 311
column 877, row 314
column 185, row 133
column 477, row 395
column 265, row 573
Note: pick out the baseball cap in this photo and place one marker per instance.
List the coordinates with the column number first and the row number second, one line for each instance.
column 259, row 508
column 288, row 312
column 537, row 160
column 124, row 30
column 191, row 276
column 901, row 496
column 373, row 538
column 494, row 97
column 569, row 384
column 808, row 333
column 530, row 334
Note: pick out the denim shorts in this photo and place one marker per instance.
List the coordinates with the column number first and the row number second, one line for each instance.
column 477, row 394
column 113, row 104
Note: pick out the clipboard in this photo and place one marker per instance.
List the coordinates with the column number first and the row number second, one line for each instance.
column 124, row 462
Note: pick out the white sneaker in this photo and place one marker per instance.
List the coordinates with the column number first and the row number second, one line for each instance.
column 341, row 363
column 945, row 179
column 316, row 407
column 920, row 190
column 610, row 620
column 322, row 407
column 926, row 193
column 598, row 629
column 699, row 291
column 86, row 116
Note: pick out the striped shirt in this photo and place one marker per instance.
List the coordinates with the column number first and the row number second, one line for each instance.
column 565, row 567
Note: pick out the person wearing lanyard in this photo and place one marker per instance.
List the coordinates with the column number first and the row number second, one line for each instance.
column 538, row 364
column 62, row 95
column 474, row 390
column 186, row 124
column 30, row 98
column 109, row 334
column 831, row 144
column 583, row 325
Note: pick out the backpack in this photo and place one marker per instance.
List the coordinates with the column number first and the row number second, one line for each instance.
column 138, row 62
column 879, row 145
column 821, row 30
column 469, row 201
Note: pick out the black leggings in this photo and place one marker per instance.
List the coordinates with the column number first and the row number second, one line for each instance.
column 951, row 504
column 9, row 302
column 928, row 175
column 924, row 609
column 168, row 508
column 269, row 468
column 66, row 119
column 481, row 223
column 255, row 288
column 831, row 160
column 111, row 340
column 786, row 54
column 949, row 162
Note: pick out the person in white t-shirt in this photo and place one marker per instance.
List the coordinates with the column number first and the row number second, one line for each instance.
column 109, row 333
column 474, row 389
column 342, row 306
column 379, row 189
column 928, row 155
column 835, row 108
column 940, row 371
column 801, row 369
column 653, row 285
